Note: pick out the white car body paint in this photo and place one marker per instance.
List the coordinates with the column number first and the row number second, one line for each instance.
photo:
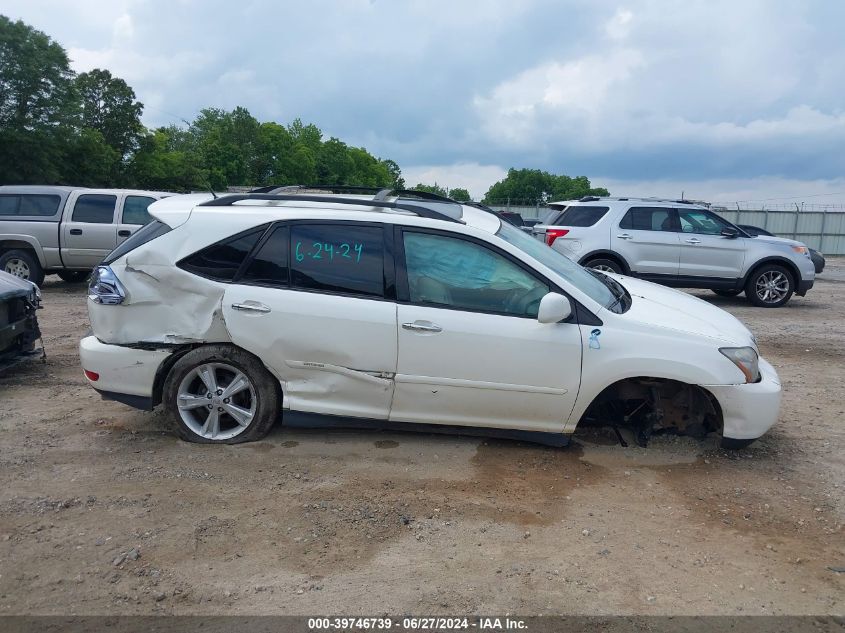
column 351, row 356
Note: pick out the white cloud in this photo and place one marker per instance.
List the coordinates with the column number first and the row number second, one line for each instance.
column 772, row 192
column 473, row 177
column 618, row 27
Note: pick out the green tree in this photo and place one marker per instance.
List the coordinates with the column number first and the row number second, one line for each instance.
column 461, row 195
column 435, row 189
column 109, row 106
column 529, row 186
column 38, row 106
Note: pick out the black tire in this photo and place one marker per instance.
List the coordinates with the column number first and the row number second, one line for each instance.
column 73, row 276
column 727, row 293
column 23, row 264
column 264, row 389
column 731, row 444
column 783, row 289
column 602, row 264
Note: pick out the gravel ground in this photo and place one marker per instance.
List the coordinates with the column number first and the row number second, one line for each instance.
column 104, row 511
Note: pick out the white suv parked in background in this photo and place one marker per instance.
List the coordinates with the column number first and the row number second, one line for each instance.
column 403, row 309
column 678, row 244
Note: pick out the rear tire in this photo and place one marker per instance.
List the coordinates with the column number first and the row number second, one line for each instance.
column 604, row 265
column 770, row 286
column 727, row 293
column 220, row 394
column 22, row 264
column 732, row 444
column 73, row 276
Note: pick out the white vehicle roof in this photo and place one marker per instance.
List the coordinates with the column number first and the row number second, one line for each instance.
column 655, row 202
column 175, row 210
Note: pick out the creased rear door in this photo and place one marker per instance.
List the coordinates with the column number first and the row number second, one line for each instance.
column 334, row 352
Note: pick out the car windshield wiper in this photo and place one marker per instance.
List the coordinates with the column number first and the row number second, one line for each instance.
column 617, row 289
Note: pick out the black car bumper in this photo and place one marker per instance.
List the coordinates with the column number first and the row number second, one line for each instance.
column 803, row 287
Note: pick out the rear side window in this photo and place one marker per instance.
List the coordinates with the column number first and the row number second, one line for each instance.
column 135, row 210
column 581, row 216
column 339, row 258
column 140, row 237
column 222, row 260
column 43, row 205
column 269, row 266
column 648, row 219
column 94, row 208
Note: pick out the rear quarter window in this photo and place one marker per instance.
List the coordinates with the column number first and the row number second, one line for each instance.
column 581, row 215
column 29, row 205
column 221, row 261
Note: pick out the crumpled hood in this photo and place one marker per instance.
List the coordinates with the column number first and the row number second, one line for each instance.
column 12, row 286
column 660, row 306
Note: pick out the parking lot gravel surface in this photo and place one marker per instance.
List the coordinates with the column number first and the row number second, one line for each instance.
column 104, row 511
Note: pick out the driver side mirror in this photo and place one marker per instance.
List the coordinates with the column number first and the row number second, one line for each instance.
column 729, row 232
column 554, row 308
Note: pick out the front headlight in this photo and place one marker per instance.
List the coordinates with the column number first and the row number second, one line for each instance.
column 801, row 249
column 746, row 359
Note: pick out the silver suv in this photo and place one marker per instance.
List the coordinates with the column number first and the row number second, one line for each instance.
column 679, row 244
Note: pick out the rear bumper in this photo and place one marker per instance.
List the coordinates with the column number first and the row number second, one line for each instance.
column 749, row 410
column 124, row 374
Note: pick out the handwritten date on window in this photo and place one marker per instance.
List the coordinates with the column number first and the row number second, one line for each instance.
column 329, row 251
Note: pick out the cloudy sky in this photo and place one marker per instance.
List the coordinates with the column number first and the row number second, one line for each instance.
column 723, row 100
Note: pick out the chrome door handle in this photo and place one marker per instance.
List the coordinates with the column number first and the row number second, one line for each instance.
column 693, row 240
column 250, row 307
column 624, row 236
column 419, row 326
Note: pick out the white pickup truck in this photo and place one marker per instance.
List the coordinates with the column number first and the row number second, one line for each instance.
column 66, row 230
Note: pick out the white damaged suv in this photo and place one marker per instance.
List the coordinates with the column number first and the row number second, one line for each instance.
column 400, row 307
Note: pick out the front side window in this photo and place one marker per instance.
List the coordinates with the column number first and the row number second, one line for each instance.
column 94, row 208
column 457, row 273
column 700, row 221
column 337, row 258
column 222, row 260
column 648, row 219
column 135, row 210
column 580, row 215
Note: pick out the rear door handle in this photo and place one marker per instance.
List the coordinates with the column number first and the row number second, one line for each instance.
column 76, row 231
column 251, row 306
column 422, row 326
column 124, row 232
column 624, row 236
column 693, row 240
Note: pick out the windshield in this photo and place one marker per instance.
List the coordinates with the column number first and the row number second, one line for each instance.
column 598, row 287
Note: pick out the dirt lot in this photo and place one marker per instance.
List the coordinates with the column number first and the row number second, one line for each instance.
column 103, row 510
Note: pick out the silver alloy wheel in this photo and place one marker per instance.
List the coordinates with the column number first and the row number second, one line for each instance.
column 772, row 286
column 17, row 267
column 216, row 401
column 603, row 268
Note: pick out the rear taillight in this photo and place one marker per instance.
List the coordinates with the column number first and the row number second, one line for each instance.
column 105, row 287
column 91, row 375
column 553, row 234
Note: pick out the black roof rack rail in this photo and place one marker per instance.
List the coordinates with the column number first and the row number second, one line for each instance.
column 422, row 211
column 685, row 201
column 589, row 199
column 379, row 192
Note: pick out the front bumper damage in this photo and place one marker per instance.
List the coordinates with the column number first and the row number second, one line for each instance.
column 749, row 410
